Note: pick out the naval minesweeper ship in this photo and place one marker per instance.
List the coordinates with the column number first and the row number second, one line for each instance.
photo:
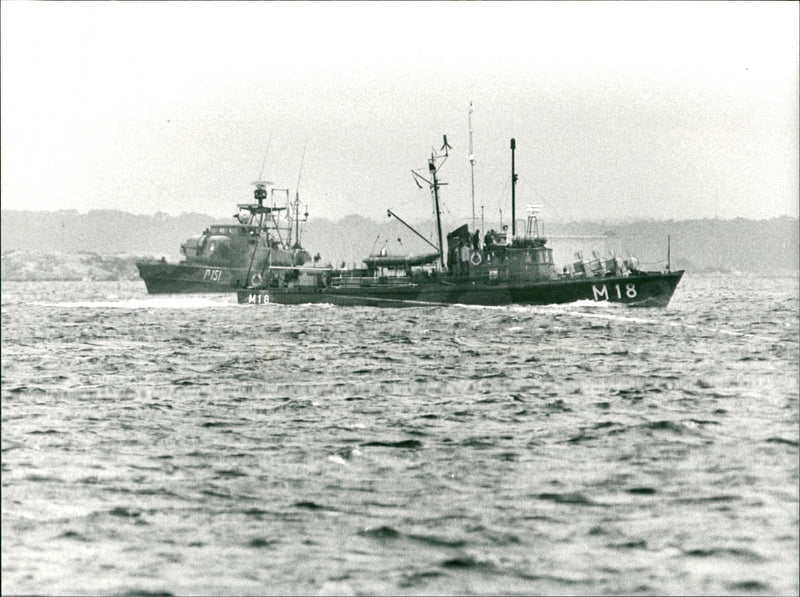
column 506, row 268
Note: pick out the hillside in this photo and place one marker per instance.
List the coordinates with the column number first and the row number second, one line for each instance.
column 67, row 245
column 35, row 266
column 99, row 231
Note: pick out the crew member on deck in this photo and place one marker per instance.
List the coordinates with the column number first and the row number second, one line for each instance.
column 465, row 253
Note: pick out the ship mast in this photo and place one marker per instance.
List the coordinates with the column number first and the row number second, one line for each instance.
column 434, row 185
column 297, row 205
column 472, row 165
column 513, row 191
column 259, row 195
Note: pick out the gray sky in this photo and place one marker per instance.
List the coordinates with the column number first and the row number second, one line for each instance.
column 620, row 110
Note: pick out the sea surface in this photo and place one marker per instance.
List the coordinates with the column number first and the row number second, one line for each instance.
column 189, row 445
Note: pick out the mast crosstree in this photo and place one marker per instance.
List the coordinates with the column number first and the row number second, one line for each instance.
column 435, row 163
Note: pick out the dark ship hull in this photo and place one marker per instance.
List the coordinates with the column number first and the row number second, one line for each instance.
column 169, row 278
column 505, row 269
column 644, row 289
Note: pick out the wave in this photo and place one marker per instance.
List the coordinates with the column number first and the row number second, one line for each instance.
column 260, row 542
column 468, row 562
column 408, row 444
column 309, row 505
column 567, row 498
column 745, row 554
column 381, row 532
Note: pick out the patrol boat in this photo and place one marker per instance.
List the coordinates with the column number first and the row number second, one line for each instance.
column 227, row 257
column 507, row 268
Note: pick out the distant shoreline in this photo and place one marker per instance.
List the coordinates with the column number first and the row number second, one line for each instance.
column 107, row 243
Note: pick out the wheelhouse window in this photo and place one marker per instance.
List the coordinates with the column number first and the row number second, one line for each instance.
column 544, row 256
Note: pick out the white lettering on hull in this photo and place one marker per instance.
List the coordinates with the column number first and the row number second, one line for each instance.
column 257, row 299
column 602, row 293
column 212, row 275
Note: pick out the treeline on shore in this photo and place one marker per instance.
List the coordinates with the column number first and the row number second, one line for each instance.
column 104, row 245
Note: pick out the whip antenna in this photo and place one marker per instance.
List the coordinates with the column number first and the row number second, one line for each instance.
column 472, row 165
column 299, row 174
column 264, row 161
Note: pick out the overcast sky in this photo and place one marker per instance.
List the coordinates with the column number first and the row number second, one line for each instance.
column 619, row 110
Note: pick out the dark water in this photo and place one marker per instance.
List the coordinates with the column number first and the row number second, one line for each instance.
column 189, row 445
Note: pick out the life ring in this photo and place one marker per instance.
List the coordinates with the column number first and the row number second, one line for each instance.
column 476, row 258
column 256, row 279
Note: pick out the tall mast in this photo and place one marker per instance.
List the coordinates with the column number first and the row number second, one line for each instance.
column 513, row 191
column 472, row 165
column 434, row 185
column 432, row 169
column 297, row 204
column 259, row 194
column 297, row 219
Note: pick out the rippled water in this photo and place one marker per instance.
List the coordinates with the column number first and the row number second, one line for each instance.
column 189, row 445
